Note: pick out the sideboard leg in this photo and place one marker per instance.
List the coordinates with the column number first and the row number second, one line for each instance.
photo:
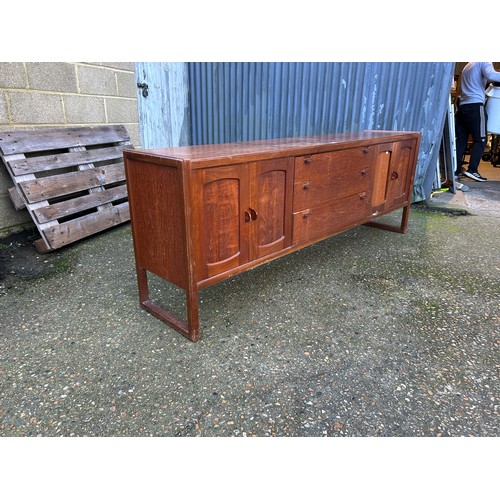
column 193, row 316
column 404, row 219
column 388, row 227
column 191, row 330
column 142, row 283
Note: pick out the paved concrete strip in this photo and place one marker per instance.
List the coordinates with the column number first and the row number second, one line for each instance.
column 369, row 333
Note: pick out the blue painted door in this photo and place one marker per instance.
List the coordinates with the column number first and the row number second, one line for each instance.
column 163, row 104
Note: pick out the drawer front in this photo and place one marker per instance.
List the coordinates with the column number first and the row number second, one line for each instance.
column 322, row 177
column 330, row 218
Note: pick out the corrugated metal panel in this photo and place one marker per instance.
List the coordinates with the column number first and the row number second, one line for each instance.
column 248, row 101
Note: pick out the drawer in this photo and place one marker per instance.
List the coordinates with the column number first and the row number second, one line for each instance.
column 330, row 218
column 339, row 174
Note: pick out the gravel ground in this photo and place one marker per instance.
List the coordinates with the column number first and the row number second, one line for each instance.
column 368, row 333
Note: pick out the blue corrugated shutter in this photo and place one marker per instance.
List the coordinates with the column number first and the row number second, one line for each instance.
column 242, row 101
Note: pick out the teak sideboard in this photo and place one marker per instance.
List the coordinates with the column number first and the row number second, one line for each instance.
column 201, row 214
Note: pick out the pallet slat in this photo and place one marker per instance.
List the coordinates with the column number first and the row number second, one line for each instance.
column 71, row 180
column 75, row 205
column 28, row 141
column 52, row 162
column 69, row 232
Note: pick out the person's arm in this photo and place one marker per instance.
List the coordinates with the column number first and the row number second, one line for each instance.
column 490, row 73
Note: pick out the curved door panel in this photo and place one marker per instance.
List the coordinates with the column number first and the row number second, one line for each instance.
column 222, row 227
column 398, row 183
column 272, row 197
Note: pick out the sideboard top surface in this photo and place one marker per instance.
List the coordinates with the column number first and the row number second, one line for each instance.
column 239, row 152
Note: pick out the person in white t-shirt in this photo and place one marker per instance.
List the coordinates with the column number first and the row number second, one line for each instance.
column 470, row 118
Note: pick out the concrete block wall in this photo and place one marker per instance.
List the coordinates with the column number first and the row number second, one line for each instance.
column 51, row 94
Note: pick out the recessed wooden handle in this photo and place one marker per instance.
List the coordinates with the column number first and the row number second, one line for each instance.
column 253, row 213
column 248, row 218
column 308, row 159
column 307, row 185
column 306, row 215
column 364, row 171
column 362, row 195
column 394, row 176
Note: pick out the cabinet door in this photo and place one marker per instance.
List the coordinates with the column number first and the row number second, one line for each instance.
column 392, row 172
column 271, row 206
column 399, row 179
column 221, row 202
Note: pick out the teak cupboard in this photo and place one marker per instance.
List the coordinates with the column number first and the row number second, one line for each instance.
column 201, row 214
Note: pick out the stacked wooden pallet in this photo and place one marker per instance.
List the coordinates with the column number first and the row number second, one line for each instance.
column 71, row 180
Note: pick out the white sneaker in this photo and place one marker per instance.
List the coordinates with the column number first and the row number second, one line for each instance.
column 476, row 176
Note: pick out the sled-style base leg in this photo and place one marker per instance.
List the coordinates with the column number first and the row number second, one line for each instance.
column 397, row 229
column 191, row 329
